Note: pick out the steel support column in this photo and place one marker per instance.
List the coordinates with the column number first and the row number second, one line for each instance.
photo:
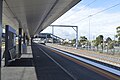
column 53, row 33
column 24, row 38
column 76, row 30
column 24, row 44
column 32, row 40
column 27, row 40
column 1, row 6
column 7, row 55
column 76, row 36
column 20, row 41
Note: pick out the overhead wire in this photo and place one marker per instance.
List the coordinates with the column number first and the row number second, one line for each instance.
column 100, row 11
column 106, row 9
column 84, row 7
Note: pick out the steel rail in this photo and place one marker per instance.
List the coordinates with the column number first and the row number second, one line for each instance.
column 58, row 64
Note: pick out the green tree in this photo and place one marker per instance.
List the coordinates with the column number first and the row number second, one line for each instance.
column 83, row 40
column 100, row 37
column 95, row 43
column 110, row 43
column 108, row 40
column 118, row 34
column 73, row 41
column 98, row 41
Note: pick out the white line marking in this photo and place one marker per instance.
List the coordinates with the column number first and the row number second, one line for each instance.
column 58, row 64
column 106, row 68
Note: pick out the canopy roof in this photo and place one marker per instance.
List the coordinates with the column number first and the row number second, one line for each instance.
column 35, row 15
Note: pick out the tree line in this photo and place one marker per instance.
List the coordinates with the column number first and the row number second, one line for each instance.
column 99, row 41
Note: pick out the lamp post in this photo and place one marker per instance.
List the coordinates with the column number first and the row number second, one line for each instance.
column 52, row 34
column 89, row 45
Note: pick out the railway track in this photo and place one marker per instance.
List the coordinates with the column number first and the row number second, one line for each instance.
column 47, row 68
column 74, row 69
column 108, row 67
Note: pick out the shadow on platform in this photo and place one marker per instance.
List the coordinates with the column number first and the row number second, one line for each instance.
column 23, row 62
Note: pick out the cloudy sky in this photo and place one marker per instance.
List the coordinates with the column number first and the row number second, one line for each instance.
column 104, row 23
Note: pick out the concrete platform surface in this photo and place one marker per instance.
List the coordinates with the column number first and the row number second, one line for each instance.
column 19, row 72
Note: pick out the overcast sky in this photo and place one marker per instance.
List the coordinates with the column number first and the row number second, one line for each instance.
column 104, row 23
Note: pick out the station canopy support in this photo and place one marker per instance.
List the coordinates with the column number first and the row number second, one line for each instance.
column 76, row 30
column 1, row 7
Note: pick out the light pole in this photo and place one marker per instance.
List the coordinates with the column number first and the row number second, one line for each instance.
column 89, row 45
column 52, row 33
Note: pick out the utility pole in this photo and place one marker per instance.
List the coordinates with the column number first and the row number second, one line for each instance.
column 89, row 45
column 52, row 34
column 76, row 37
column 114, row 44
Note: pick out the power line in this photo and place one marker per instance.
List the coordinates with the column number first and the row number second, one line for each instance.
column 106, row 9
column 84, row 7
column 87, row 5
column 100, row 11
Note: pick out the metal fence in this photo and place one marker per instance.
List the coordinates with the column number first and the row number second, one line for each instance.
column 114, row 51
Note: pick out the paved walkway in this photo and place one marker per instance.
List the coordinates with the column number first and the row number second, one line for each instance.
column 20, row 71
column 110, row 59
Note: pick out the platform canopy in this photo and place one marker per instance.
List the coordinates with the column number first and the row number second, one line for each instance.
column 35, row 15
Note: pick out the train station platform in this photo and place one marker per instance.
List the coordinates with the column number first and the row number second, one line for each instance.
column 21, row 69
column 43, row 63
column 33, row 65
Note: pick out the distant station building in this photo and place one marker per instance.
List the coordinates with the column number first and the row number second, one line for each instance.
column 49, row 38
